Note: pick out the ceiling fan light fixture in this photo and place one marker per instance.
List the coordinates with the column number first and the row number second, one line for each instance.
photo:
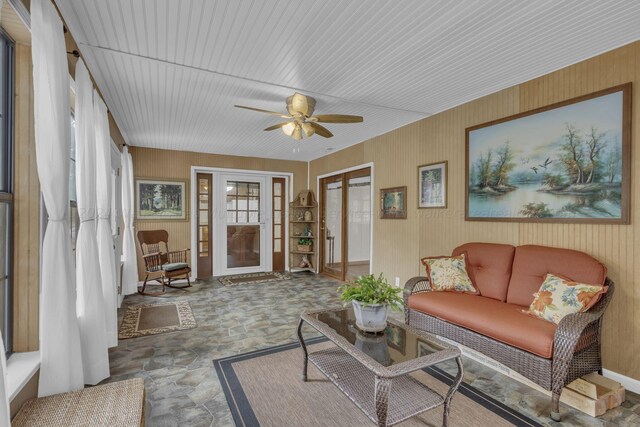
column 297, row 133
column 308, row 129
column 289, row 128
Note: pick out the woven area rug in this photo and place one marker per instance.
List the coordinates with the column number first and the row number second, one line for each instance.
column 152, row 319
column 264, row 388
column 238, row 279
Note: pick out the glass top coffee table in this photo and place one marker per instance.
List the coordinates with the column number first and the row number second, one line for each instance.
column 373, row 369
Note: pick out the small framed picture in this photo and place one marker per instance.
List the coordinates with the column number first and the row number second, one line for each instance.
column 393, row 203
column 432, row 185
column 158, row 199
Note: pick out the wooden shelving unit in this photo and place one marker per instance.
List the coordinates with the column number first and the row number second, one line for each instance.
column 298, row 226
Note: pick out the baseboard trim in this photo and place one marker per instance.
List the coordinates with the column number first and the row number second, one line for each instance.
column 628, row 383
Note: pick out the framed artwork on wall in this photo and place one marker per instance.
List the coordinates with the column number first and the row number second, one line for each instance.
column 566, row 162
column 159, row 199
column 432, row 185
column 393, row 203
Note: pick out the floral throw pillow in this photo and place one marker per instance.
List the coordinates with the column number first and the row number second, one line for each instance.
column 448, row 274
column 558, row 297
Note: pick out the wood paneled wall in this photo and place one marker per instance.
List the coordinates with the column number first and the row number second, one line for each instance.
column 26, row 247
column 167, row 164
column 399, row 245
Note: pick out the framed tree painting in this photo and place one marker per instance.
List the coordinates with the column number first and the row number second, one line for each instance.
column 393, row 203
column 432, row 185
column 566, row 162
column 159, row 199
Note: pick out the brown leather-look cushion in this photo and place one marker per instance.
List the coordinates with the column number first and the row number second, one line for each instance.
column 489, row 267
column 532, row 263
column 498, row 320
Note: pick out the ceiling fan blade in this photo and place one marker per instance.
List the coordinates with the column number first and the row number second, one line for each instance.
column 336, row 118
column 300, row 104
column 321, row 130
column 263, row 111
column 278, row 126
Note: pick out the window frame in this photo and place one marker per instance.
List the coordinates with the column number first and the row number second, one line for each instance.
column 7, row 142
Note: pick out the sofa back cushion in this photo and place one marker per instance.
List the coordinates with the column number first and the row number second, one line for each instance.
column 489, row 267
column 532, row 263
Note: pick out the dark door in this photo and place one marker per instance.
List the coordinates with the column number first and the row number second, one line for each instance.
column 204, row 226
column 278, row 194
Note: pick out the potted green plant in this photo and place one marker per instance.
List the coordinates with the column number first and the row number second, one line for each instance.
column 304, row 244
column 371, row 298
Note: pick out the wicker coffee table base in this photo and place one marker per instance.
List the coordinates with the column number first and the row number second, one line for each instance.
column 373, row 393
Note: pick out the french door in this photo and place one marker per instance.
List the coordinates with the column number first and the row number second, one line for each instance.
column 345, row 224
column 242, row 226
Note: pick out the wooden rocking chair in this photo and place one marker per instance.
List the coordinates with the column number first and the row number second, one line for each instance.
column 161, row 264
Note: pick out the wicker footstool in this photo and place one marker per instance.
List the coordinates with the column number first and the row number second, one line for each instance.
column 118, row 404
column 362, row 367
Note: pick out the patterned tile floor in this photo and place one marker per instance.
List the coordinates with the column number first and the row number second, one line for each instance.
column 182, row 386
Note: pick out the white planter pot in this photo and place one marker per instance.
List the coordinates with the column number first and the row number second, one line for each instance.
column 370, row 317
column 375, row 346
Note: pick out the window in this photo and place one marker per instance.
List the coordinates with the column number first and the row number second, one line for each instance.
column 243, row 202
column 73, row 199
column 6, row 188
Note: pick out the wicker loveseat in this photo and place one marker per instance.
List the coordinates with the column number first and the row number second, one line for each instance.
column 492, row 322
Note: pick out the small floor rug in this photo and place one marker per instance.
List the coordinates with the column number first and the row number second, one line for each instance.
column 152, row 319
column 264, row 388
column 238, row 279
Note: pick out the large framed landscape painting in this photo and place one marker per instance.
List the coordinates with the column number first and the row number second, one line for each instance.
column 161, row 200
column 567, row 162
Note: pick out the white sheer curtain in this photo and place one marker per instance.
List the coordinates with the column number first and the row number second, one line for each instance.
column 60, row 354
column 90, row 300
column 130, row 268
column 5, row 412
column 105, row 239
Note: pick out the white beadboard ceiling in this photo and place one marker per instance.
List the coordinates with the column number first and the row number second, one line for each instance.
column 172, row 70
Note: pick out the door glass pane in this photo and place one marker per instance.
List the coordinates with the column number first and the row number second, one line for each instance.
column 203, row 187
column 277, row 230
column 254, row 216
column 277, row 189
column 358, row 227
column 333, row 227
column 204, row 218
column 277, row 217
column 254, row 204
column 277, row 245
column 243, row 246
column 242, row 217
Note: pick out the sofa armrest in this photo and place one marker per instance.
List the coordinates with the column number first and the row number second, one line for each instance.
column 574, row 329
column 413, row 286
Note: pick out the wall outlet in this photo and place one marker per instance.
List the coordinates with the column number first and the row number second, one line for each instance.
column 397, row 282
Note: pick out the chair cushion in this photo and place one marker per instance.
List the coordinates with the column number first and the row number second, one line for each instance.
column 498, row 320
column 489, row 267
column 558, row 297
column 175, row 266
column 532, row 263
